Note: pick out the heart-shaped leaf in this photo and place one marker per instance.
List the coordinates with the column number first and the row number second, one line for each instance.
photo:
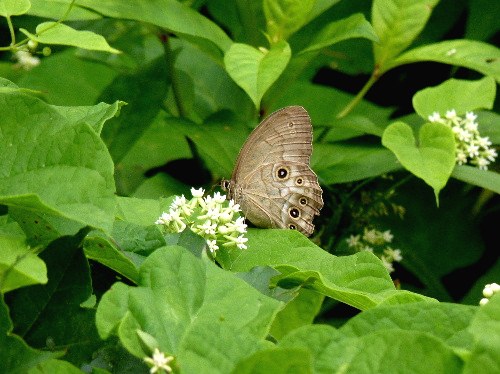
column 431, row 159
column 256, row 70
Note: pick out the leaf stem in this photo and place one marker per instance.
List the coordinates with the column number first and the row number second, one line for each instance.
column 355, row 101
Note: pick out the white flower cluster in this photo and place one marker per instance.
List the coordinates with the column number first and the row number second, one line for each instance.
column 376, row 242
column 159, row 363
column 470, row 146
column 26, row 60
column 488, row 291
column 211, row 217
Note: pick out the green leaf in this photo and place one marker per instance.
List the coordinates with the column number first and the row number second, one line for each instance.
column 19, row 266
column 256, row 70
column 471, row 54
column 196, row 311
column 61, row 34
column 14, row 7
column 95, row 115
column 218, row 142
column 51, row 315
column 445, row 321
column 482, row 178
column 53, row 166
column 432, row 158
column 16, row 356
column 461, row 95
column 397, row 23
column 143, row 108
column 62, row 70
column 276, row 360
column 348, row 162
column 404, row 351
column 57, row 9
column 172, row 15
column 359, row 280
column 355, row 26
column 300, row 311
column 54, row 366
column 284, row 17
column 485, row 329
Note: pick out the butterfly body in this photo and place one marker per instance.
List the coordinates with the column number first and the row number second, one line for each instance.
column 272, row 180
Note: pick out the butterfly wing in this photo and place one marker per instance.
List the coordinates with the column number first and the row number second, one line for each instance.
column 272, row 180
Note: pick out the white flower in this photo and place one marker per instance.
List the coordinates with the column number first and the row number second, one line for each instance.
column 434, row 117
column 490, row 154
column 353, row 240
column 159, row 361
column 240, row 242
column 208, row 228
column 26, row 60
column 238, row 226
column 470, row 116
column 388, row 264
column 371, row 236
column 234, row 207
column 393, row 254
column 451, row 114
column 219, row 198
column 387, row 236
column 483, row 301
column 212, row 245
column 197, row 192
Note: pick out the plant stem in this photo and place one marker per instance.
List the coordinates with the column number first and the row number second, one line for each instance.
column 348, row 109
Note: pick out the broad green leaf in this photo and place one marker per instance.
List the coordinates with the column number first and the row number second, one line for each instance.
column 203, row 88
column 65, row 79
column 95, row 115
column 471, row 54
column 54, row 366
column 105, row 251
column 51, row 314
column 397, row 23
column 485, row 329
column 53, row 166
column 389, row 339
column 256, row 70
column 284, row 17
column 58, row 33
column 218, row 143
column 482, row 178
column 195, row 311
column 326, row 345
column 171, row 15
column 359, row 280
column 144, row 90
column 355, row 26
column 347, row 162
column 276, row 360
column 460, row 95
column 300, row 311
column 482, row 19
column 56, row 9
column 403, row 351
column 14, row 7
column 15, row 355
column 431, row 158
column 19, row 266
column 445, row 321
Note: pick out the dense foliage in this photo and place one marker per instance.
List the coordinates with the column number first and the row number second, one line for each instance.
column 109, row 109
